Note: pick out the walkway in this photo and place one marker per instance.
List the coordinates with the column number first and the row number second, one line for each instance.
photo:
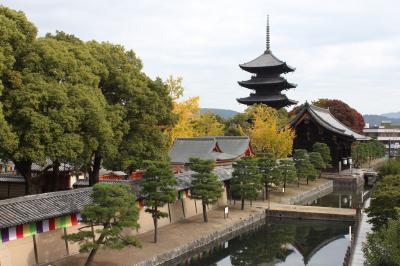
column 358, row 256
column 191, row 229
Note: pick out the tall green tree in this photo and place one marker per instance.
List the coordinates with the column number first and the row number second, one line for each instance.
column 383, row 246
column 144, row 104
column 205, row 186
column 303, row 165
column 317, row 161
column 112, row 210
column 158, row 189
column 325, row 152
column 385, row 198
column 288, row 172
column 246, row 180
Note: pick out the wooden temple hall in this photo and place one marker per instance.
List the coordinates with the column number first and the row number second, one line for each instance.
column 314, row 124
column 266, row 81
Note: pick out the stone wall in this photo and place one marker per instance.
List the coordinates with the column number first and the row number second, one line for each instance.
column 219, row 235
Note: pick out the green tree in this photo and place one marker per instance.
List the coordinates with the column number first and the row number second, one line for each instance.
column 267, row 168
column 385, row 198
column 246, row 180
column 303, row 165
column 390, row 167
column 205, row 185
column 317, row 161
column 325, row 152
column 383, row 246
column 288, row 172
column 144, row 104
column 158, row 189
column 113, row 209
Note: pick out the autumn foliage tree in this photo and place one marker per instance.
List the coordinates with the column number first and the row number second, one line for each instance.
column 267, row 136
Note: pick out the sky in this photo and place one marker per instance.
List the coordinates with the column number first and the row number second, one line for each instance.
column 343, row 49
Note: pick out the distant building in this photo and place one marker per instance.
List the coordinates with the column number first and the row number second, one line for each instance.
column 267, row 82
column 223, row 150
column 315, row 124
column 387, row 133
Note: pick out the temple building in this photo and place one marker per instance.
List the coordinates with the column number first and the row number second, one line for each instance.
column 315, row 124
column 267, row 82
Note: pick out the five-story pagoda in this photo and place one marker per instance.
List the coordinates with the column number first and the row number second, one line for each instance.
column 267, row 81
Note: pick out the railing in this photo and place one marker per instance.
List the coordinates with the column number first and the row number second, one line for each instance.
column 353, row 239
column 315, row 191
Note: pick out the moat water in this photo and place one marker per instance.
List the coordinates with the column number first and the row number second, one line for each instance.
column 280, row 242
column 286, row 242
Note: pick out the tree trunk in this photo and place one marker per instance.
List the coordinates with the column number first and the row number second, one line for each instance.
column 266, row 190
column 94, row 173
column 298, row 182
column 55, row 184
column 93, row 252
column 25, row 169
column 155, row 220
column 307, row 180
column 242, row 207
column 284, row 185
column 205, row 212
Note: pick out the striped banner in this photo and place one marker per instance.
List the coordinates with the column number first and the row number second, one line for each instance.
column 184, row 194
column 25, row 230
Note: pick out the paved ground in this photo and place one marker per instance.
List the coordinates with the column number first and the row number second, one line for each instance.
column 358, row 256
column 189, row 230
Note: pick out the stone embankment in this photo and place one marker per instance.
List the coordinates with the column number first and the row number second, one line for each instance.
column 220, row 234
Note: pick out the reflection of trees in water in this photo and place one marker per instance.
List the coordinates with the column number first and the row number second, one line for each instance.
column 262, row 246
column 269, row 244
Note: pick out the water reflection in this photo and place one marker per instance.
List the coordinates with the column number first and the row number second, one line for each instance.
column 281, row 242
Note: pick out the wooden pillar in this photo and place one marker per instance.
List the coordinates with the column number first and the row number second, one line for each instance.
column 183, row 209
column 35, row 251
column 66, row 241
column 169, row 214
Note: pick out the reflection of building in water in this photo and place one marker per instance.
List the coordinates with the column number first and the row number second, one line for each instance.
column 387, row 133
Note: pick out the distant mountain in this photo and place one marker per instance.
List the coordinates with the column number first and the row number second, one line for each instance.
column 395, row 115
column 377, row 119
column 224, row 113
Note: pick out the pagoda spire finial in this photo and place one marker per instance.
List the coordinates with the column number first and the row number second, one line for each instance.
column 268, row 40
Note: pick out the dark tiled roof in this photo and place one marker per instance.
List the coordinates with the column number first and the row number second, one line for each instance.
column 266, row 60
column 325, row 118
column 38, row 207
column 11, row 178
column 199, row 147
column 133, row 183
column 48, row 165
column 184, row 179
column 264, row 82
column 236, row 145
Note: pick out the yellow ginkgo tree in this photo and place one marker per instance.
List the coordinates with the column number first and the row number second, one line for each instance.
column 267, row 136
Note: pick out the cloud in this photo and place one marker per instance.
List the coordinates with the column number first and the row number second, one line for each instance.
column 342, row 49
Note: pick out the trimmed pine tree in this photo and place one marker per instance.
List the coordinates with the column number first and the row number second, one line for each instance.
column 205, row 186
column 158, row 189
column 246, row 180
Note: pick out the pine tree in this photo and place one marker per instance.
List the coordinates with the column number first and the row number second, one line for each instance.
column 303, row 165
column 288, row 172
column 206, row 185
column 317, row 161
column 246, row 180
column 267, row 167
column 113, row 209
column 158, row 189
column 325, row 152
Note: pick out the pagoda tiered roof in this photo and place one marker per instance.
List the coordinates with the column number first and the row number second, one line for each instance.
column 267, row 82
column 276, row 101
column 258, row 82
column 266, row 61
